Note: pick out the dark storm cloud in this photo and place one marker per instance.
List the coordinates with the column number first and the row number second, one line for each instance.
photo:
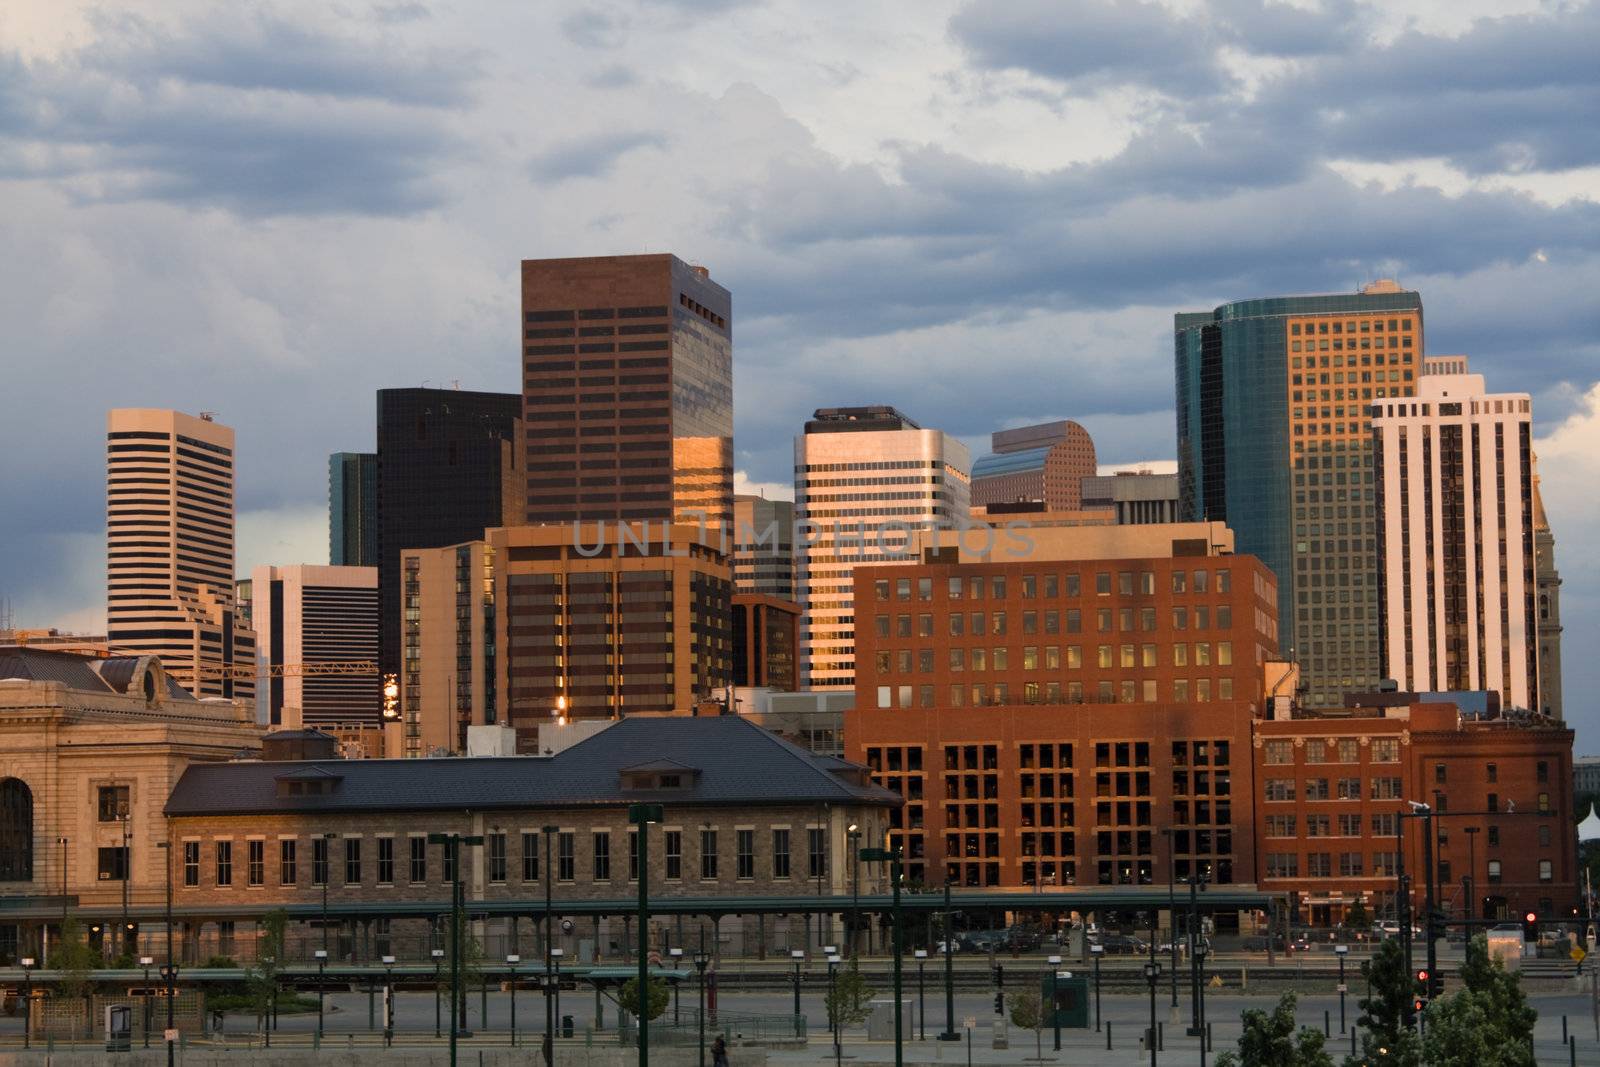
column 253, row 115
column 591, row 157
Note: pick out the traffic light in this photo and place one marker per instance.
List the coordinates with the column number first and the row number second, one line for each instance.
column 1000, row 1003
column 1530, row 926
column 999, row 975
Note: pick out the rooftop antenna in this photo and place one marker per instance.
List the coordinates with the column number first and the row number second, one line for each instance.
column 208, row 416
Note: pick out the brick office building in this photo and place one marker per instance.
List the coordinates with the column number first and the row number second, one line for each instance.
column 1330, row 789
column 746, row 814
column 1072, row 708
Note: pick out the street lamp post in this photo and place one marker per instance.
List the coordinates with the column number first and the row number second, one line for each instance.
column 1054, row 962
column 853, row 836
column 1200, row 963
column 555, row 993
column 1152, row 972
column 169, row 971
column 892, row 858
column 1097, row 951
column 1472, row 871
column 799, row 958
column 438, row 1015
column 702, row 959
column 63, row 842
column 1172, row 913
column 27, row 1002
column 327, row 876
column 452, row 843
column 677, row 956
column 1196, row 947
column 144, row 963
column 949, row 970
column 1341, row 951
column 511, row 962
column 642, row 815
column 921, row 955
column 833, row 1022
column 388, row 1001
column 321, row 955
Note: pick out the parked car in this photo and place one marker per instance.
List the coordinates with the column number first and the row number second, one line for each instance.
column 1258, row 943
column 1123, row 945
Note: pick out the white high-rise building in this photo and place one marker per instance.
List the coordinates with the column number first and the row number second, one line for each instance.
column 169, row 549
column 1455, row 506
column 864, row 479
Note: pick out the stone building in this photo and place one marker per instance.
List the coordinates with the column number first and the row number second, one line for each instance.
column 90, row 748
column 746, row 815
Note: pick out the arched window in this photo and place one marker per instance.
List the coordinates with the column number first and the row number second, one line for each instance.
column 16, row 831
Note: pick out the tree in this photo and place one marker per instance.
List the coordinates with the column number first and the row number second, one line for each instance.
column 1386, row 1010
column 75, row 959
column 1272, row 1041
column 1356, row 917
column 1488, row 1023
column 850, row 1000
column 262, row 979
column 1028, row 1013
column 628, row 997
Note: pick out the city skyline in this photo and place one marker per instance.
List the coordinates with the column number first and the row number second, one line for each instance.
column 1029, row 221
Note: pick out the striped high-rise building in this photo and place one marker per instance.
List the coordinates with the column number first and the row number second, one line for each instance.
column 306, row 616
column 864, row 480
column 169, row 548
column 1454, row 467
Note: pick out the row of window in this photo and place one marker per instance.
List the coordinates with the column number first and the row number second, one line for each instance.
column 1050, row 586
column 350, row 854
column 1049, row 657
column 1354, row 865
column 979, row 623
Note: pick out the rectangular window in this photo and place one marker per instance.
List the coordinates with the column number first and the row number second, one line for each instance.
column 256, row 862
column 780, row 855
column 674, row 854
column 566, row 856
column 1546, row 871
column 419, row 860
column 708, row 855
column 1385, row 750
column 497, row 858
column 191, row 863
column 288, row 868
column 352, row 861
column 224, row 863
column 745, row 853
column 1349, row 750
column 602, row 855
column 319, row 860
column 1279, row 752
column 816, row 853
column 113, row 803
column 633, row 855
column 448, row 863
column 113, row 864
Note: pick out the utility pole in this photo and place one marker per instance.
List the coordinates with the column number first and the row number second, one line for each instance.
column 642, row 815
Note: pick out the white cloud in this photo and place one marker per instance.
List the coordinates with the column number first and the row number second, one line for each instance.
column 283, row 536
column 771, row 490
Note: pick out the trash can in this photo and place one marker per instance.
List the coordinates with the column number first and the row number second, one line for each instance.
column 566, row 1026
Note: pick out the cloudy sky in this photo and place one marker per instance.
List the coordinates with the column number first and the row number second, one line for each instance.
column 984, row 213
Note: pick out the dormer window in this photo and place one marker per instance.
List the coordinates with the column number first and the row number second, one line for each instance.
column 671, row 781
column 658, row 775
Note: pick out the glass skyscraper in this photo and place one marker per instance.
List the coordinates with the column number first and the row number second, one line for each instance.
column 1275, row 439
column 353, row 509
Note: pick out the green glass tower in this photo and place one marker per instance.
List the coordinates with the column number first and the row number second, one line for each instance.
column 1275, row 439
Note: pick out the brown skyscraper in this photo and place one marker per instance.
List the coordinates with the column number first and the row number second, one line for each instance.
column 628, row 390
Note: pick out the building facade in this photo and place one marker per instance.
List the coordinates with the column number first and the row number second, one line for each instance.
column 1035, row 464
column 353, row 509
column 763, row 546
column 448, row 469
column 1547, row 581
column 628, row 391
column 745, row 814
column 1049, row 797
column 1331, row 791
column 451, row 676
column 169, row 549
column 766, row 641
column 600, row 621
column 90, row 748
column 1274, row 402
column 317, row 635
column 1137, row 497
column 865, row 479
column 1457, row 593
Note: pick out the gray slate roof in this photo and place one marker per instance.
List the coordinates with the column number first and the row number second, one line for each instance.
column 740, row 764
column 86, row 674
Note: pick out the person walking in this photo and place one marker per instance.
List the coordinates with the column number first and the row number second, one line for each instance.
column 719, row 1052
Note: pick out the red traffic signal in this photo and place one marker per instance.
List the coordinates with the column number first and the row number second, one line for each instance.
column 1531, row 917
column 1422, row 975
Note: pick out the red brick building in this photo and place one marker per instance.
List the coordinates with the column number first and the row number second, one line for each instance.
column 1061, row 796
column 1330, row 790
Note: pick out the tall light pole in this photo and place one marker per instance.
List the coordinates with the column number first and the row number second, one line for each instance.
column 1172, row 912
column 853, row 836
column 1054, row 963
column 892, row 858
column 547, row 835
column 511, row 963
column 388, row 1001
column 63, row 842
column 452, row 843
column 921, row 956
column 321, row 955
column 642, row 815
column 1472, row 871
column 169, row 971
column 949, row 969
column 27, row 1003
column 327, row 876
column 833, row 1021
column 1097, row 951
column 702, row 959
column 1341, row 951
column 798, row 956
column 1152, row 973
column 127, row 875
column 144, row 963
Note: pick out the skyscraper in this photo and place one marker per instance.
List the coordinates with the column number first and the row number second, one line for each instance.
column 448, row 469
column 628, row 385
column 1274, row 438
column 1035, row 464
column 353, row 509
column 311, row 615
column 864, row 479
column 1454, row 468
column 169, row 548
